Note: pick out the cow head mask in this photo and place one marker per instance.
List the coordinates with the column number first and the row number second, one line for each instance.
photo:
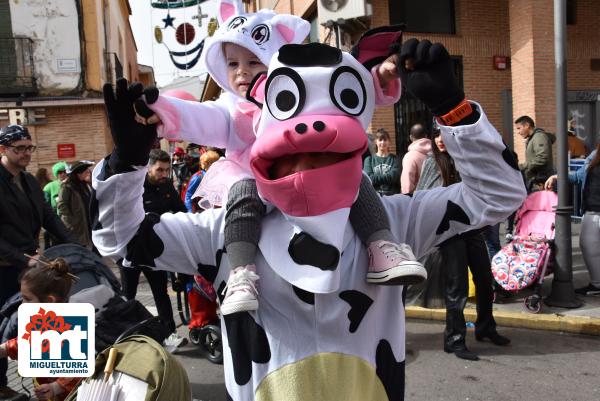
column 316, row 104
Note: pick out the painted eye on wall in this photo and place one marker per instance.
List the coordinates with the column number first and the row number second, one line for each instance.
column 285, row 93
column 260, row 34
column 347, row 91
column 236, row 22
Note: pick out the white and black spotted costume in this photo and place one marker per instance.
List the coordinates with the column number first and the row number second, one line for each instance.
column 322, row 333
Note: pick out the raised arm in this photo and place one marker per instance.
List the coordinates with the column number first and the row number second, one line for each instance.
column 491, row 187
column 177, row 242
column 205, row 123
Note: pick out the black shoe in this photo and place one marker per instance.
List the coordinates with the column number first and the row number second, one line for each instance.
column 8, row 394
column 461, row 351
column 588, row 290
column 494, row 337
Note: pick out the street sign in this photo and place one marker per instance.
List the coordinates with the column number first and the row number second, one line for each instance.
column 65, row 150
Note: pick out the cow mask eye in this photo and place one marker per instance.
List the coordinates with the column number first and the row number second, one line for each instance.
column 285, row 93
column 347, row 91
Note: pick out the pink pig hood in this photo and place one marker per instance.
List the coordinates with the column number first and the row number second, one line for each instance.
column 262, row 33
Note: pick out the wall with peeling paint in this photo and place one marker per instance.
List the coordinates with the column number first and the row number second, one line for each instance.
column 53, row 25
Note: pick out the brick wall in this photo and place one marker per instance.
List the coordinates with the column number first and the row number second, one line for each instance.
column 85, row 126
column 583, row 44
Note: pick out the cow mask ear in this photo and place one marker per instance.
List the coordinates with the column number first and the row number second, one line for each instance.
column 377, row 44
column 228, row 8
column 256, row 90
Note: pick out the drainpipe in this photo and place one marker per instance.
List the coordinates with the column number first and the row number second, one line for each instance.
column 563, row 294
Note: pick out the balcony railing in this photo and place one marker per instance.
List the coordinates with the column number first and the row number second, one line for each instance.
column 114, row 69
column 16, row 67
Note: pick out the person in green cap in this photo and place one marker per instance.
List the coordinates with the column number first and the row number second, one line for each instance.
column 52, row 189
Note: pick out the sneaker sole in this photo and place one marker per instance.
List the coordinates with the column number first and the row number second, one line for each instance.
column 242, row 306
column 408, row 273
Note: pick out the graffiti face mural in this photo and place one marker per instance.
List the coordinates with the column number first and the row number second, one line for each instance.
column 182, row 30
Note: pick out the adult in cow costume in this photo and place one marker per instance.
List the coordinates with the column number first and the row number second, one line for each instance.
column 322, row 332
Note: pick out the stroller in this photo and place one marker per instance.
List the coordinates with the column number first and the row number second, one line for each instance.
column 525, row 261
column 142, row 369
column 197, row 306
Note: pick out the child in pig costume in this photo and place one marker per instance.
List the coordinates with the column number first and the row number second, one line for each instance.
column 230, row 122
column 321, row 333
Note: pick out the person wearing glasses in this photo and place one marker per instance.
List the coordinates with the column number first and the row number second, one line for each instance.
column 23, row 212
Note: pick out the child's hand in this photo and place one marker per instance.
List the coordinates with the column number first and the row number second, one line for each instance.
column 388, row 70
column 44, row 392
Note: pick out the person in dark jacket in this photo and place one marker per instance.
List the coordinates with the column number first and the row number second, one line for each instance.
column 159, row 197
column 382, row 167
column 538, row 164
column 23, row 212
column 74, row 202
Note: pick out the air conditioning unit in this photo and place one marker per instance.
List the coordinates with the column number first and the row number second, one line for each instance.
column 342, row 9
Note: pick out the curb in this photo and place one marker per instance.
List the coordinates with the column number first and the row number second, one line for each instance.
column 551, row 322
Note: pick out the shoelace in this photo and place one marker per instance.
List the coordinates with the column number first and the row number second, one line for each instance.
column 393, row 251
column 242, row 280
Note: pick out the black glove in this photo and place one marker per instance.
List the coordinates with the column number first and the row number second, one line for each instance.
column 133, row 140
column 427, row 73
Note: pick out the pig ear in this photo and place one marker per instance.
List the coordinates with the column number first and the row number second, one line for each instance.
column 377, row 44
column 228, row 8
column 256, row 90
column 291, row 28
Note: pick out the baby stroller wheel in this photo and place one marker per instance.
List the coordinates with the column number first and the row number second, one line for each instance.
column 195, row 336
column 533, row 303
column 208, row 338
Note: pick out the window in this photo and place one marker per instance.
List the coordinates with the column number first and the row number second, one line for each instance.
column 429, row 16
column 571, row 12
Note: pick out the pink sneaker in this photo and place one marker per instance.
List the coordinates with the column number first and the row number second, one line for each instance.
column 240, row 292
column 393, row 264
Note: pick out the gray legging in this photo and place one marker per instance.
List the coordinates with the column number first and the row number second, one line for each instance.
column 589, row 241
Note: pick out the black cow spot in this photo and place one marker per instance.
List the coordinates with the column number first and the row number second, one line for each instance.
column 359, row 305
column 228, row 396
column 509, row 157
column 306, row 250
column 95, row 212
column 305, row 296
column 220, row 291
column 390, row 372
column 210, row 272
column 248, row 343
column 453, row 212
column 146, row 245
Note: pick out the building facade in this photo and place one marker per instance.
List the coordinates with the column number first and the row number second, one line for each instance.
column 54, row 58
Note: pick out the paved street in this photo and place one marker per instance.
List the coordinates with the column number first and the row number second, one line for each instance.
column 539, row 365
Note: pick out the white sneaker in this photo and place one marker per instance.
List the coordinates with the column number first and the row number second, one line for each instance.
column 394, row 264
column 173, row 342
column 240, row 292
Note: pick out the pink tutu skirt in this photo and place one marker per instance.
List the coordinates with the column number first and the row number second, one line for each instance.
column 218, row 180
